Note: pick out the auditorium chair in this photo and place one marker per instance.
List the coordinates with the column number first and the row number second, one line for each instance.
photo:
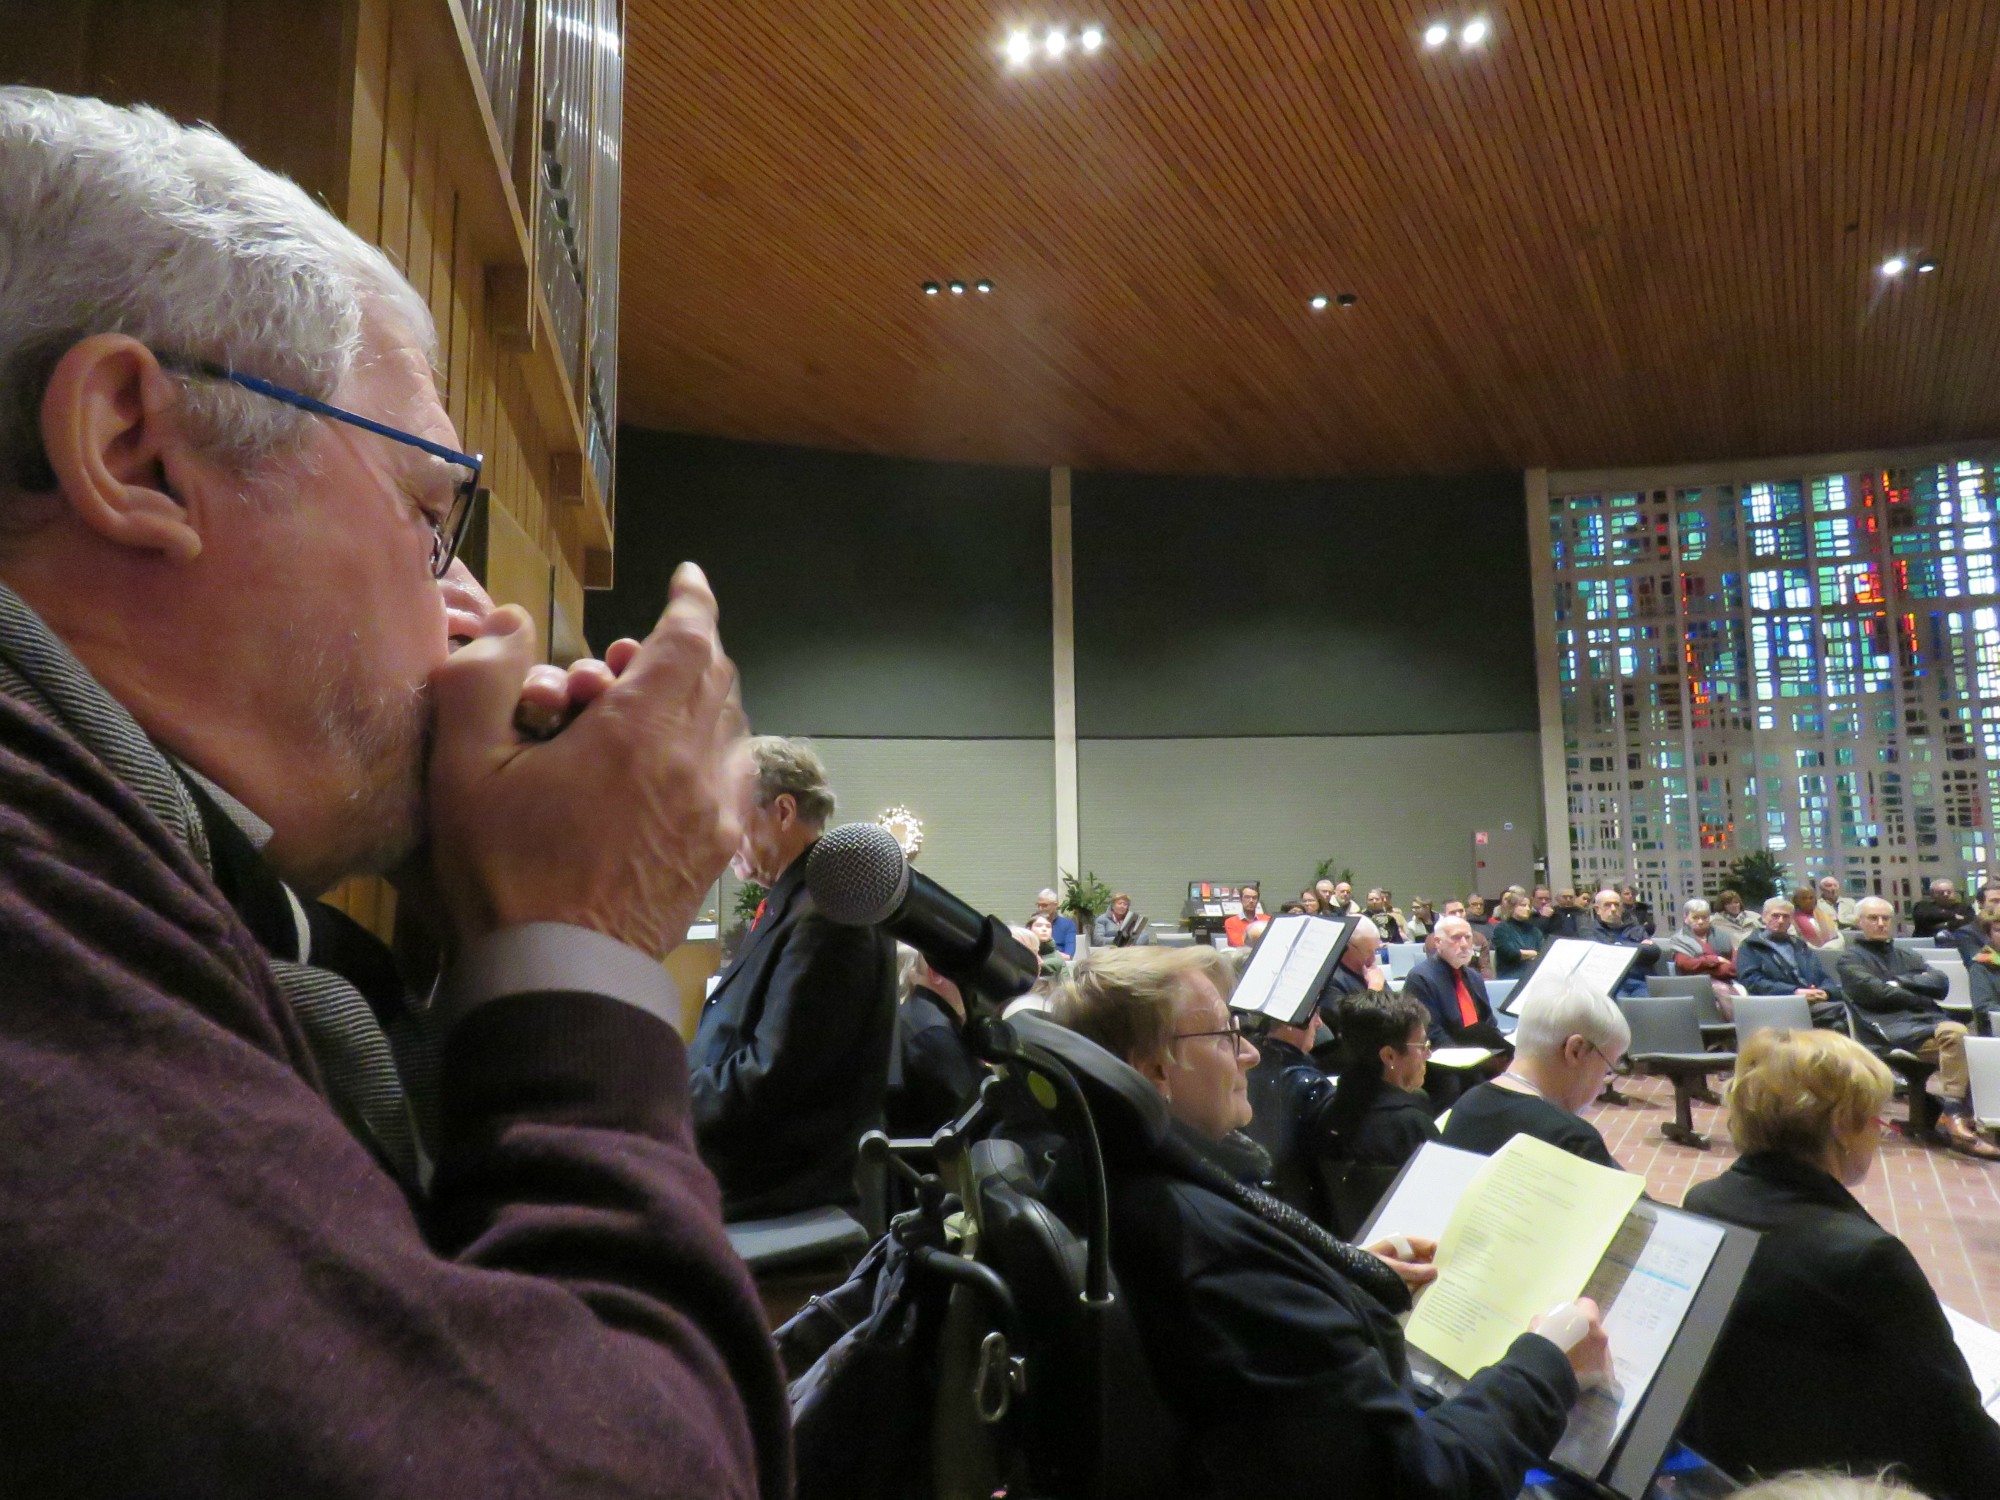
column 1667, row 1043
column 1755, row 1013
column 1913, row 1076
column 1696, row 987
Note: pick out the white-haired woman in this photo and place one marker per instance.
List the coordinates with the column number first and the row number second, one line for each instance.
column 1566, row 1044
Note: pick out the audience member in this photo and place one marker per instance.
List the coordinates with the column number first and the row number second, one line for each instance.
column 1357, row 970
column 1610, row 923
column 1700, row 947
column 937, row 1073
column 1042, row 943
column 1382, row 912
column 1341, row 903
column 1421, row 920
column 1814, row 927
column 1237, row 927
column 1970, row 938
column 1452, row 992
column 1324, row 890
column 1380, row 1113
column 1895, row 998
column 1120, row 927
column 1517, row 940
column 1836, row 905
column 225, row 686
column 1291, row 1104
column 1732, row 920
column 1775, row 962
column 1062, row 926
column 1552, row 918
column 1939, row 912
column 1836, row 1352
column 1308, row 902
column 1482, row 945
column 1274, row 1344
column 1567, row 1042
column 1636, row 910
column 790, row 1063
column 1476, row 918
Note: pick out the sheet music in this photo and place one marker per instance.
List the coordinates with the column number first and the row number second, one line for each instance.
column 1460, row 1057
column 1284, row 966
column 1601, row 966
column 1429, row 1190
column 1981, row 1347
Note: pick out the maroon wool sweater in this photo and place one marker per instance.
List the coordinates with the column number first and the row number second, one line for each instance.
column 208, row 1287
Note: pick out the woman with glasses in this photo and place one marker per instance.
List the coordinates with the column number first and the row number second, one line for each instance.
column 1381, row 1114
column 1566, row 1044
column 1275, row 1345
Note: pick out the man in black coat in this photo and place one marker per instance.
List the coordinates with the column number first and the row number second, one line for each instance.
column 1939, row 912
column 1896, row 998
column 1610, row 923
column 790, row 1063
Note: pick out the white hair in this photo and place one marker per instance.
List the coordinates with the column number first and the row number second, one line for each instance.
column 1549, row 1018
column 1045, row 894
column 117, row 220
column 1364, row 929
column 1695, row 908
column 1777, row 903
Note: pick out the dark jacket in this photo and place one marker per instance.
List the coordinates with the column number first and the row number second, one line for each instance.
column 1291, row 1104
column 1431, row 981
column 1968, row 940
column 1489, row 1116
column 1836, row 1353
column 1558, row 923
column 1930, row 918
column 1769, row 966
column 1396, row 1123
column 210, row 1287
column 1342, row 981
column 1894, row 994
column 1286, row 1377
column 790, row 1063
column 1628, row 934
column 937, row 1073
column 1510, row 940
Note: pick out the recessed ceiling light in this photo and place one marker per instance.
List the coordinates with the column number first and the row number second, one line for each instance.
column 958, row 289
column 1436, row 35
column 930, row 288
column 982, row 287
column 1925, row 267
column 1020, row 48
column 1476, row 31
column 1894, row 266
column 1092, row 38
column 1057, row 42
column 1319, row 304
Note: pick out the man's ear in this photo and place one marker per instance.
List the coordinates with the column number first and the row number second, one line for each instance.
column 108, row 429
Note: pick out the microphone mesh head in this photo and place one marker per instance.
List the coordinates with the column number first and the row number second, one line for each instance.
column 857, row 875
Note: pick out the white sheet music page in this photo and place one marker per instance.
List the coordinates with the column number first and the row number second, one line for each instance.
column 1981, row 1347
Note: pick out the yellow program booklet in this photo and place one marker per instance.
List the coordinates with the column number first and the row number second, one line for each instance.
column 1527, row 1233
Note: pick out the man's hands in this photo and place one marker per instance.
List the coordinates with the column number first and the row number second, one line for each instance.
column 620, row 822
column 1375, row 976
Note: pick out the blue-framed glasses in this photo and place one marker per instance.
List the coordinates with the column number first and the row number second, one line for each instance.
column 446, row 533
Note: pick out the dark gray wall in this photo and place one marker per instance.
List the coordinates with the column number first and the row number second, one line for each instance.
column 1231, row 607
column 861, row 597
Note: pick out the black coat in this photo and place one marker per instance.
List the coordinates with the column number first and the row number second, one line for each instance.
column 1289, row 1381
column 1837, row 1352
column 1291, row 1112
column 938, row 1074
column 791, row 1060
column 1929, row 918
column 1895, row 994
column 1396, row 1123
column 1489, row 1116
column 1432, row 983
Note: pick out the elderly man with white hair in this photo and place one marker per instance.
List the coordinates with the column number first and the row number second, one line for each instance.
column 1359, row 969
column 1895, row 996
column 274, row 1223
column 1838, row 906
column 1062, row 926
column 1567, row 1043
column 1777, row 961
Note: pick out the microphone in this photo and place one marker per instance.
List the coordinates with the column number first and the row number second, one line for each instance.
column 857, row 876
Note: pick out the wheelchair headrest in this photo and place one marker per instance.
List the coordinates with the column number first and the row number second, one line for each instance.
column 1129, row 1113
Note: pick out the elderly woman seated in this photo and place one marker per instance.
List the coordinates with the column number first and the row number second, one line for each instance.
column 1836, row 1352
column 1566, row 1043
column 1276, row 1345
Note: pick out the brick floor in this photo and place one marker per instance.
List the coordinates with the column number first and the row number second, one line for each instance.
column 1945, row 1207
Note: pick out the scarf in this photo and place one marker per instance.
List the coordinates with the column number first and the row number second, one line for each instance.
column 349, row 1041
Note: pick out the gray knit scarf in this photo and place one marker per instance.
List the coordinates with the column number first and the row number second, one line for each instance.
column 353, row 1051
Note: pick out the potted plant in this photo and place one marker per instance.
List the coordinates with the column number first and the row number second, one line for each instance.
column 1083, row 899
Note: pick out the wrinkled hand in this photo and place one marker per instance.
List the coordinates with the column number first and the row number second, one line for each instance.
column 1590, row 1356
column 621, row 822
column 1416, row 1269
column 1812, row 994
column 1375, row 976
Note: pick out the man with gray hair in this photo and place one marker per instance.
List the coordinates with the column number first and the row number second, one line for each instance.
column 790, row 1064
column 269, row 1216
column 1567, row 1044
column 1777, row 961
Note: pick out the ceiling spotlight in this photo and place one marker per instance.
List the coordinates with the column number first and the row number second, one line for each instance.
column 1476, row 31
column 1925, row 267
column 958, row 289
column 930, row 288
column 1057, row 43
column 1319, row 304
column 1092, row 38
column 1020, row 49
column 1436, row 35
column 982, row 287
column 1894, row 266
column 1347, row 299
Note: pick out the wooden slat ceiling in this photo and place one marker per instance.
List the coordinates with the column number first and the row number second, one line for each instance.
column 1628, row 231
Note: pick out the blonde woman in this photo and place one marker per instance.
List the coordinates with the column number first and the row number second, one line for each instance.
column 1837, row 1353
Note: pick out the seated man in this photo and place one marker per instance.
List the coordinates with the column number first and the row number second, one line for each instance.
column 790, row 1062
column 1336, row 898
column 936, row 1073
column 1452, row 992
column 1700, row 947
column 1062, row 926
column 1237, row 927
column 1839, row 907
column 255, row 1246
column 1636, row 909
column 1357, row 970
column 1777, row 961
column 1291, row 1103
column 1482, row 945
column 1567, row 1044
column 1609, row 922
column 1120, row 927
column 1388, row 921
column 1970, row 939
column 1895, row 998
column 1552, row 920
column 1939, row 912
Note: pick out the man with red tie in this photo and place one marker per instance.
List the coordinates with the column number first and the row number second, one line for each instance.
column 1454, row 992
